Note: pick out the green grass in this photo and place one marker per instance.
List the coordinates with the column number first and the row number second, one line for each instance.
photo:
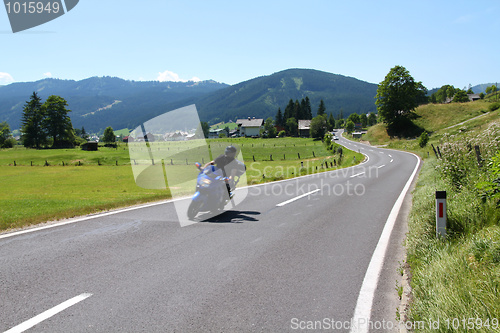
column 458, row 277
column 38, row 193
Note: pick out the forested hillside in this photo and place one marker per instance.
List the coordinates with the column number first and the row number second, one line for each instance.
column 98, row 102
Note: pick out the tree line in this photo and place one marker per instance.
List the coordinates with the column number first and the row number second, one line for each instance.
column 287, row 121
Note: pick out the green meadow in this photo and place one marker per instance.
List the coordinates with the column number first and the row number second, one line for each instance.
column 52, row 184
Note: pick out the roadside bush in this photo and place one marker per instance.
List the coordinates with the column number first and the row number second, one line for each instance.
column 282, row 134
column 9, row 143
column 424, row 138
column 494, row 106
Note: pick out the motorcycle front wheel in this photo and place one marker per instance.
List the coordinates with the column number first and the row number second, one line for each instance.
column 194, row 208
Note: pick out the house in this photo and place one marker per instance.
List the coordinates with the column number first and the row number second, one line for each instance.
column 473, row 97
column 304, row 128
column 358, row 134
column 214, row 133
column 250, row 126
column 149, row 137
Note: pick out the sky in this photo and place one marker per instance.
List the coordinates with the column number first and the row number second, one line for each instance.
column 438, row 42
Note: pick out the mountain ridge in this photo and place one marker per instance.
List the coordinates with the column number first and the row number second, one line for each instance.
column 98, row 102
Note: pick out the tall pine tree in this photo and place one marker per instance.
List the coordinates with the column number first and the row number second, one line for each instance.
column 321, row 108
column 308, row 110
column 279, row 119
column 32, row 127
column 288, row 111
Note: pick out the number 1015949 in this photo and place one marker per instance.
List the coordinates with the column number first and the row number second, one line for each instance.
column 32, row 7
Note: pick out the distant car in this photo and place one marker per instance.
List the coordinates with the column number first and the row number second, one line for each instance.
column 335, row 137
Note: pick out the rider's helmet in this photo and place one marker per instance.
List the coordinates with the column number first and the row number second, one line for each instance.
column 230, row 151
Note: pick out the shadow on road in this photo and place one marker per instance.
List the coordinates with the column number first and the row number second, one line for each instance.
column 233, row 216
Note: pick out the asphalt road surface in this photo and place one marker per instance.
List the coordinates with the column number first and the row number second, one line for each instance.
column 292, row 256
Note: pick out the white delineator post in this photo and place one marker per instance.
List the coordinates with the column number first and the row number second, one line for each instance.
column 441, row 213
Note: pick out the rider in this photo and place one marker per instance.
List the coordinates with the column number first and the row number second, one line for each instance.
column 228, row 164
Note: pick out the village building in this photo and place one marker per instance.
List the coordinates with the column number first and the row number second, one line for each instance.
column 250, row 127
column 304, row 128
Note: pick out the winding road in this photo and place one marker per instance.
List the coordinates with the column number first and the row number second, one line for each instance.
column 318, row 252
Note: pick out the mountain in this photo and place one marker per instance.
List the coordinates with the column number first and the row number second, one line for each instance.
column 99, row 102
column 481, row 88
column 477, row 89
column 261, row 97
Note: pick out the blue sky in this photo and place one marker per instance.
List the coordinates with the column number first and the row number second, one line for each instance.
column 439, row 42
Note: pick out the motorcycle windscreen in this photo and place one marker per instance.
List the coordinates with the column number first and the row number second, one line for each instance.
column 163, row 152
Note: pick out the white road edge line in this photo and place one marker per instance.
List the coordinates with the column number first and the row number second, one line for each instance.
column 297, row 198
column 47, row 314
column 358, row 174
column 89, row 217
column 362, row 312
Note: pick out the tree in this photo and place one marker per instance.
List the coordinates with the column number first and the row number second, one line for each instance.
column 292, row 126
column 33, row 132
column 4, row 134
column 203, row 129
column 317, row 128
column 372, row 119
column 492, row 89
column 363, row 120
column 269, row 128
column 288, row 111
column 308, row 111
column 109, row 136
column 354, row 117
column 331, row 122
column 461, row 97
column 349, row 126
column 57, row 122
column 321, row 108
column 424, row 138
column 297, row 111
column 279, row 118
column 397, row 97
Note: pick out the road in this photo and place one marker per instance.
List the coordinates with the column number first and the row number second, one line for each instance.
column 291, row 255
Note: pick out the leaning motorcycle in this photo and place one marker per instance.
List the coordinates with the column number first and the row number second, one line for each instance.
column 211, row 192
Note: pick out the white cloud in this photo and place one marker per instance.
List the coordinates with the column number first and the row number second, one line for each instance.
column 173, row 77
column 6, row 78
column 48, row 74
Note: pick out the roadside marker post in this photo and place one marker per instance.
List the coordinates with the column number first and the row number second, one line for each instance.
column 441, row 213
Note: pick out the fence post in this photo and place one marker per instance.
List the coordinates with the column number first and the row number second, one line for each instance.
column 435, row 152
column 441, row 213
column 478, row 156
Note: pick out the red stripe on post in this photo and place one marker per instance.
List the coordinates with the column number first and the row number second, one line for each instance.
column 441, row 209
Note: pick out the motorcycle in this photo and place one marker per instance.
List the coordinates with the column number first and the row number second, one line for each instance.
column 211, row 191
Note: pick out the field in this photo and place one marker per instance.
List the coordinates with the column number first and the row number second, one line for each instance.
column 42, row 185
